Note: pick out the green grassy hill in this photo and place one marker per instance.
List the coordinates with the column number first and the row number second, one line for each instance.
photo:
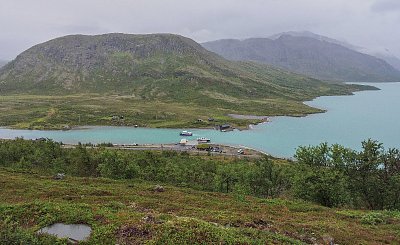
column 160, row 80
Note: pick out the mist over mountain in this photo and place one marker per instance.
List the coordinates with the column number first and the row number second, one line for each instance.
column 3, row 63
column 309, row 54
column 392, row 60
column 383, row 54
column 315, row 36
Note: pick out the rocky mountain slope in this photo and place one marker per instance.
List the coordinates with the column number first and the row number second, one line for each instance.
column 308, row 54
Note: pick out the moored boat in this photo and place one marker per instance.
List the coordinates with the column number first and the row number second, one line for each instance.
column 186, row 133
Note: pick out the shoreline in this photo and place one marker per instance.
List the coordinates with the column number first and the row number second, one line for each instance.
column 233, row 127
column 227, row 149
column 223, row 150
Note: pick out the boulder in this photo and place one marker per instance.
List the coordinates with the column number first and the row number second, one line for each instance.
column 59, row 176
column 158, row 188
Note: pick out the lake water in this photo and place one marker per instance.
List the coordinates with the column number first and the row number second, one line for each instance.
column 349, row 120
column 76, row 232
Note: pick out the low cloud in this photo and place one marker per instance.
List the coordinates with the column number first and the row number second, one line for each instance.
column 386, row 6
column 25, row 23
column 83, row 29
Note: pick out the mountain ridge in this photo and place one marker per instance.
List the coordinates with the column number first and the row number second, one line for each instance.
column 380, row 53
column 318, row 37
column 316, row 57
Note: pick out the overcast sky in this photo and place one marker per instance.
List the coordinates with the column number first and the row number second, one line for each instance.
column 368, row 23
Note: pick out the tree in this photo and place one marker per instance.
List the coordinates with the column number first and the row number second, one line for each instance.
column 365, row 175
column 317, row 156
column 225, row 178
column 113, row 165
column 267, row 179
column 328, row 187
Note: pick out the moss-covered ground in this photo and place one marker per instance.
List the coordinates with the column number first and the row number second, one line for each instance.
column 131, row 212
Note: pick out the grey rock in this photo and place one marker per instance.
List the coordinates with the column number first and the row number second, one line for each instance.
column 158, row 188
column 59, row 176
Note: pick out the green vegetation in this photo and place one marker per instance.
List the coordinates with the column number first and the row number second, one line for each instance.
column 51, row 112
column 336, row 176
column 332, row 176
column 205, row 199
column 150, row 80
column 180, row 169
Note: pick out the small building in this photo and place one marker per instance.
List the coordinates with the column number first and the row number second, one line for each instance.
column 211, row 119
column 224, row 127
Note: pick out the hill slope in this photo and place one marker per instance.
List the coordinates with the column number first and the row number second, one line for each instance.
column 383, row 54
column 157, row 79
column 130, row 212
column 310, row 55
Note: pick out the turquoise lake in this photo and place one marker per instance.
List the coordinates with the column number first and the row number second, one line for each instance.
column 348, row 121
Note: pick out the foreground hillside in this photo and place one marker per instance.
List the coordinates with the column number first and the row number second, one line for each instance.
column 159, row 80
column 130, row 212
column 202, row 199
column 312, row 55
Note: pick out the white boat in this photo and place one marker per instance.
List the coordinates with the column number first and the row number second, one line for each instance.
column 186, row 133
column 203, row 140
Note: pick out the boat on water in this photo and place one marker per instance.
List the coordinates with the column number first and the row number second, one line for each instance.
column 203, row 140
column 186, row 133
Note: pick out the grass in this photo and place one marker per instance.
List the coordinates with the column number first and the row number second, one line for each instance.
column 55, row 112
column 130, row 212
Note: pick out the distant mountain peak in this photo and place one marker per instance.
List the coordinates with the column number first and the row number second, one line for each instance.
column 379, row 52
column 296, row 34
column 310, row 54
column 317, row 37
